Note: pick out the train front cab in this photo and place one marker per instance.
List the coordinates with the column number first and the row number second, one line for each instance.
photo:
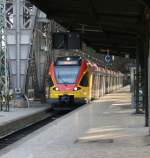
column 80, row 92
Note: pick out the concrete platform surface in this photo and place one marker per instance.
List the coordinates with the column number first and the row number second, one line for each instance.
column 17, row 118
column 16, row 113
column 106, row 128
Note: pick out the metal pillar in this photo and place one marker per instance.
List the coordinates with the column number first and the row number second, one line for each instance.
column 148, row 108
column 4, row 75
column 147, row 32
column 147, row 75
column 18, row 81
column 137, row 77
column 146, row 92
column 149, row 86
column 20, row 16
column 41, row 55
column 132, row 71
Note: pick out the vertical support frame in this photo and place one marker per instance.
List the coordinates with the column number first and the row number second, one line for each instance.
column 137, row 76
column 18, row 81
column 4, row 77
column 145, row 73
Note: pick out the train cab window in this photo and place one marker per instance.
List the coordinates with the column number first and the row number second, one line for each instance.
column 50, row 82
column 66, row 74
column 85, row 80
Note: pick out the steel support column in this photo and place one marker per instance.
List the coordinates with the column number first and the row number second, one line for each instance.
column 146, row 92
column 4, row 75
column 146, row 72
column 148, row 67
column 20, row 16
column 18, row 81
column 137, row 77
column 146, row 31
column 149, row 82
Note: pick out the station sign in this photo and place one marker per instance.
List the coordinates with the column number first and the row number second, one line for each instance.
column 108, row 59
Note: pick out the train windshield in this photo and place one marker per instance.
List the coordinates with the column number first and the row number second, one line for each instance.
column 66, row 74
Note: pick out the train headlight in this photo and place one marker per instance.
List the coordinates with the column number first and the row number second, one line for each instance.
column 75, row 89
column 57, row 89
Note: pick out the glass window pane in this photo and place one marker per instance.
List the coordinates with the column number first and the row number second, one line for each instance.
column 66, row 74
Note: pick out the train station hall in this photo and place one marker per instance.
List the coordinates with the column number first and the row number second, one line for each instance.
column 74, row 79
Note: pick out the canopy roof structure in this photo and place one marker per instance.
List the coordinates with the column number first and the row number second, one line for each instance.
column 103, row 24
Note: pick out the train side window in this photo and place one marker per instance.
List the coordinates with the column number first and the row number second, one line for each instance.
column 50, row 82
column 85, row 80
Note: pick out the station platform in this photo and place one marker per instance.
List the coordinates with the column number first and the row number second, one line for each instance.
column 105, row 128
column 18, row 118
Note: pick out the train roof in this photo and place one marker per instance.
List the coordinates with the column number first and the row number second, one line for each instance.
column 76, row 60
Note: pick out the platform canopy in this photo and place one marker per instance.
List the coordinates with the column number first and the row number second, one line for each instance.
column 104, row 24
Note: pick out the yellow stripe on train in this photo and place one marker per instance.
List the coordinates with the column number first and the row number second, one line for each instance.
column 81, row 93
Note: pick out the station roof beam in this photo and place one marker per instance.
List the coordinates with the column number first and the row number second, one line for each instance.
column 113, row 24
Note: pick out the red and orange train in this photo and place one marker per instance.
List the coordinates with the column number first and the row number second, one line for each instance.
column 73, row 79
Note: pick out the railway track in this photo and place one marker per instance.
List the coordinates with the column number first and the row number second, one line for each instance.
column 17, row 135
